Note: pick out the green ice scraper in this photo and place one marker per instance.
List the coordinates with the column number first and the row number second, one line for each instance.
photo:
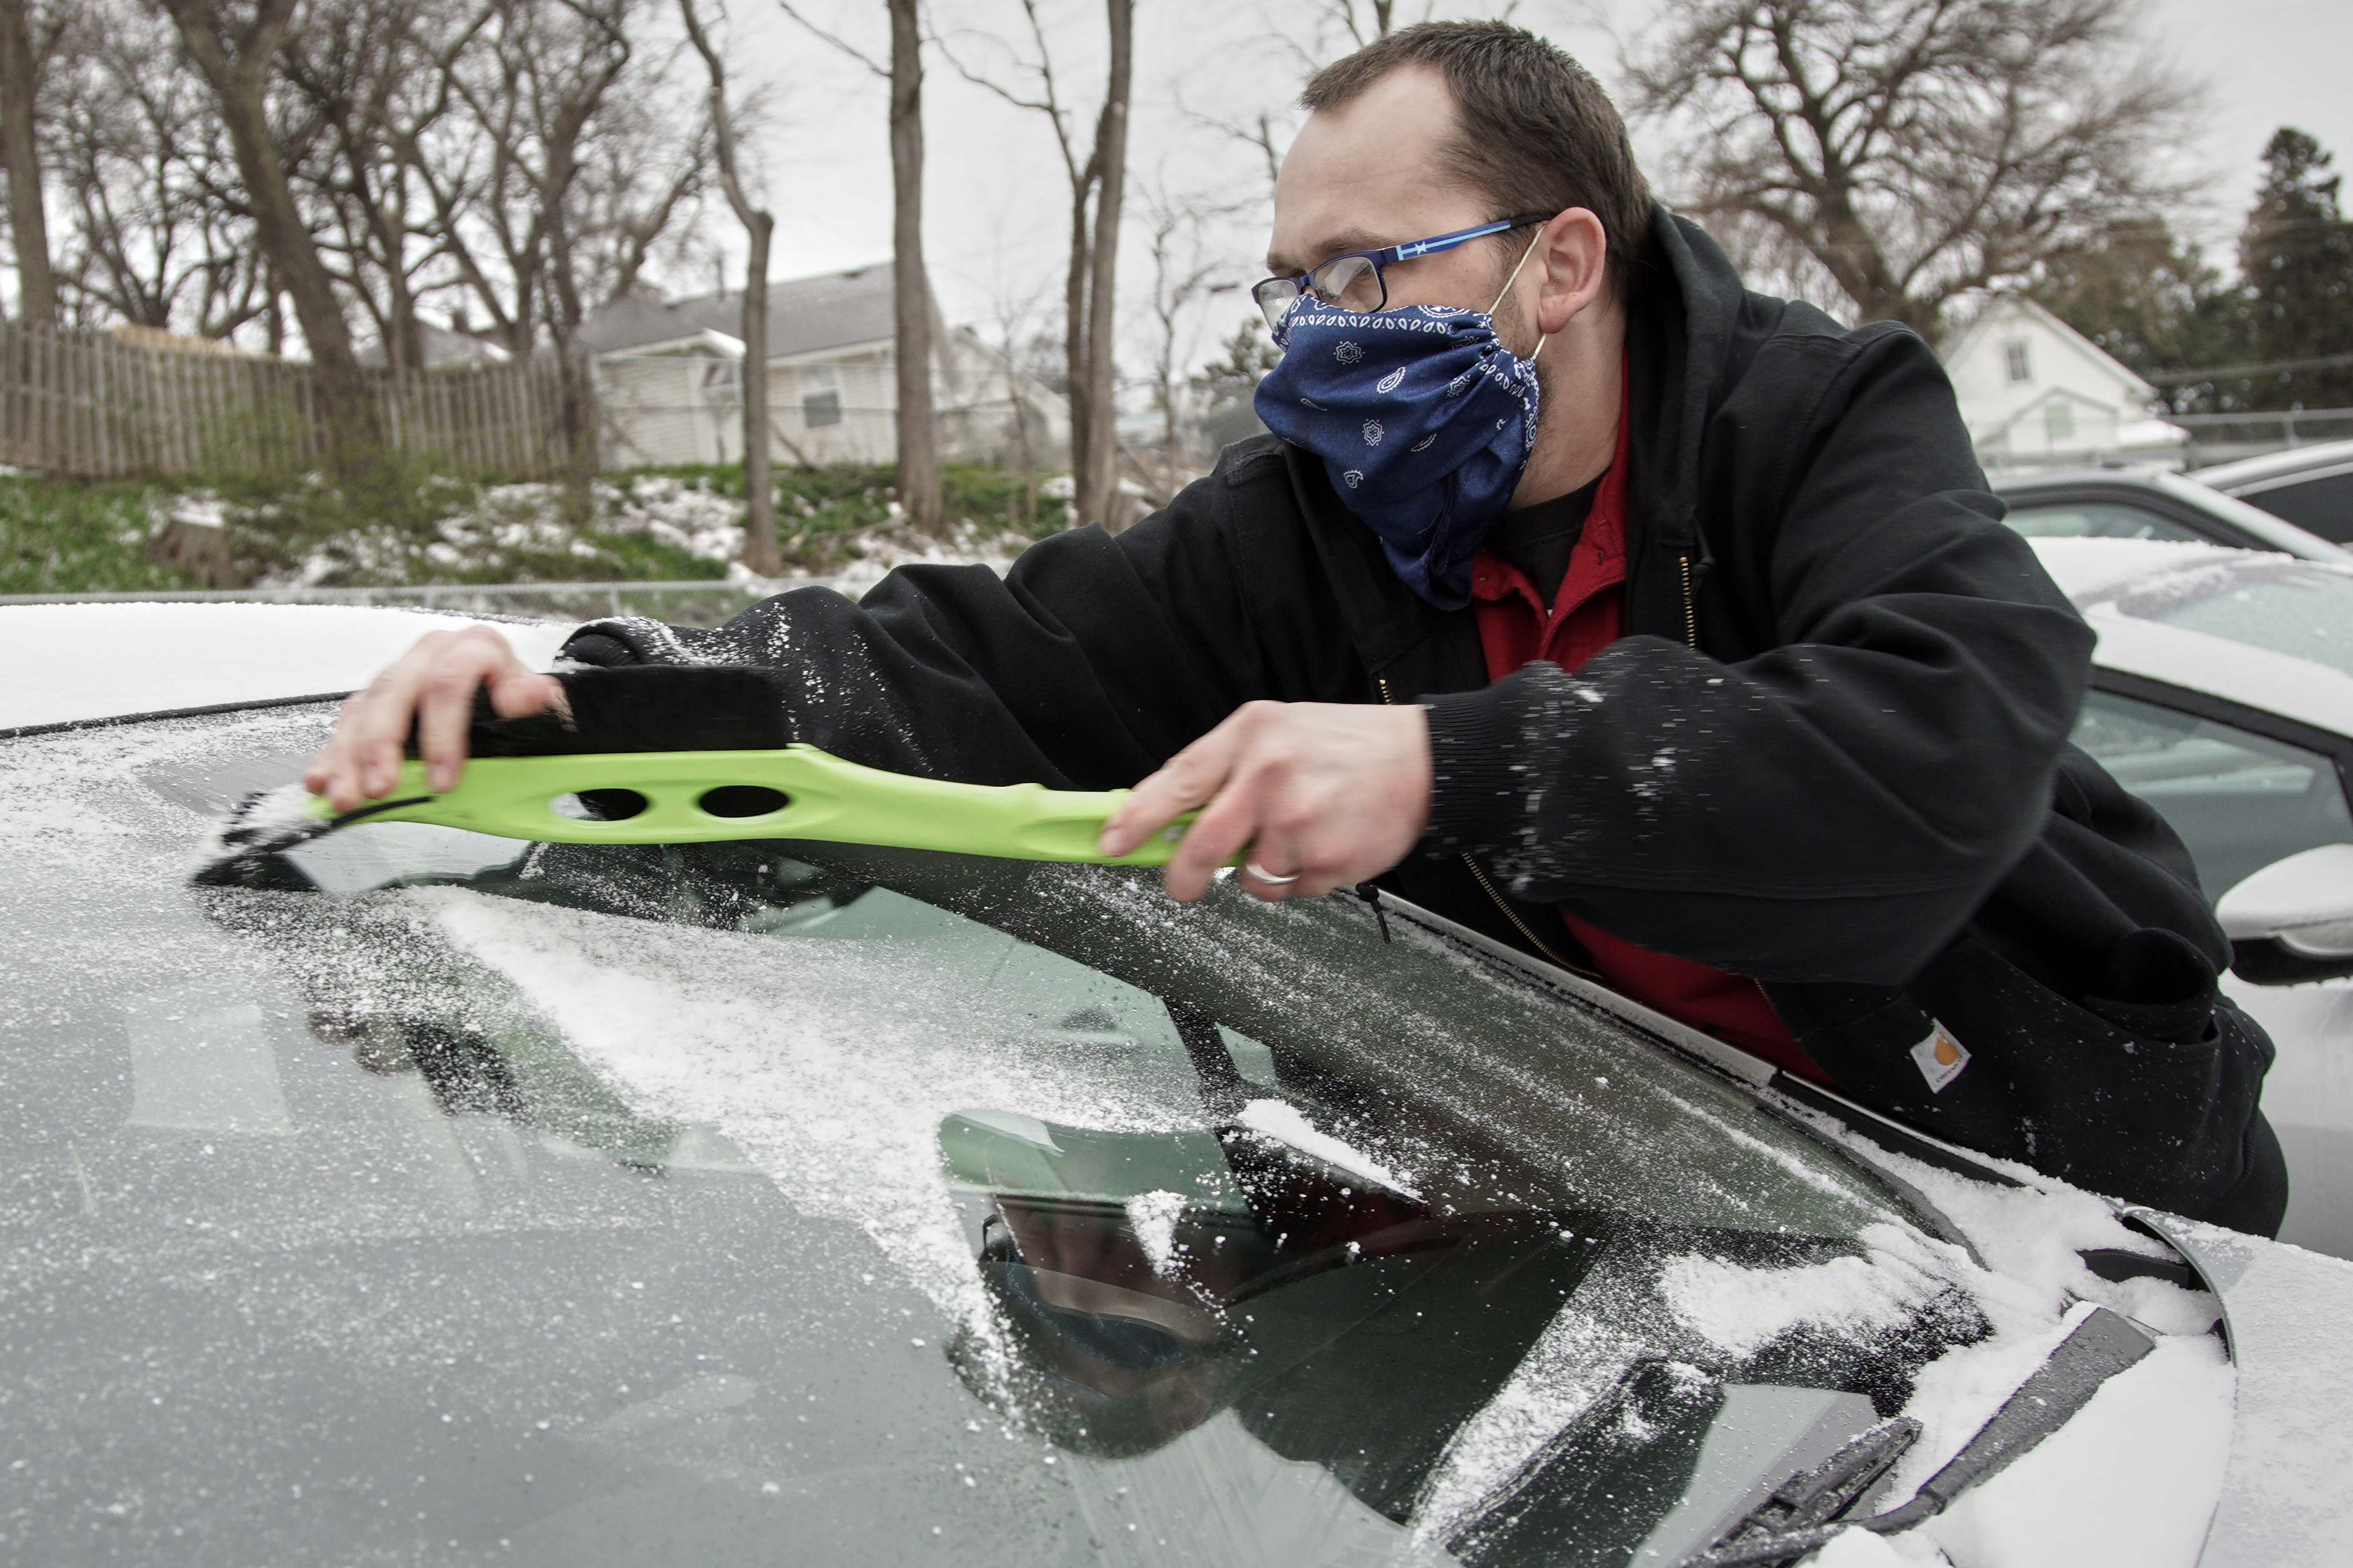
column 798, row 792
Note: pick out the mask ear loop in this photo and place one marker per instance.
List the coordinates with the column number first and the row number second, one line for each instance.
column 1542, row 338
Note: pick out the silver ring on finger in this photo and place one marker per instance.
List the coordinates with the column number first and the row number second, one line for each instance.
column 1268, row 877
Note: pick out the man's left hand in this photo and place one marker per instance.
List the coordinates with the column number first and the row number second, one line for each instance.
column 1324, row 795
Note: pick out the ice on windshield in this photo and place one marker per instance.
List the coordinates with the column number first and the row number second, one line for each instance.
column 718, row 1164
column 2295, row 607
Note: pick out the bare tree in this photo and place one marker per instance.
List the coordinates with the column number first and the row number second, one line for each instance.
column 370, row 83
column 237, row 56
column 1185, row 270
column 27, row 39
column 1015, row 319
column 760, row 551
column 919, row 474
column 1910, row 150
column 913, row 350
column 567, row 170
column 155, row 229
column 1375, row 23
column 1098, row 187
column 1306, row 39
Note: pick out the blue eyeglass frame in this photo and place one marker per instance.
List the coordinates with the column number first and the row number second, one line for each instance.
column 1302, row 285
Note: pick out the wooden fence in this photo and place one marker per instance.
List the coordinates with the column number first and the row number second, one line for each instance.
column 87, row 405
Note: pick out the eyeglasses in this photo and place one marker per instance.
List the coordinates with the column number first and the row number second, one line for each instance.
column 1354, row 282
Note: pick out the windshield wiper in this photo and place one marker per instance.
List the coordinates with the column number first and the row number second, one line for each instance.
column 1801, row 1515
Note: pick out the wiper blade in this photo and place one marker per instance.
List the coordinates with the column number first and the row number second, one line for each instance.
column 1794, row 1520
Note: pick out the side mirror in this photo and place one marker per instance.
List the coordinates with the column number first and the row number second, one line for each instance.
column 2293, row 920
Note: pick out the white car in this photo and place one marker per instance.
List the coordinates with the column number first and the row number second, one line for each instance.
column 2222, row 694
column 428, row 1197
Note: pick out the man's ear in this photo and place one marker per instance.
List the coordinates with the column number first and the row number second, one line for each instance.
column 1575, row 251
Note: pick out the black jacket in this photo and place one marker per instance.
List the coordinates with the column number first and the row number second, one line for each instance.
column 1831, row 753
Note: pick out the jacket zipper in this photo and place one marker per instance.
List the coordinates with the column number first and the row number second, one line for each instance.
column 1480, row 873
column 1691, row 638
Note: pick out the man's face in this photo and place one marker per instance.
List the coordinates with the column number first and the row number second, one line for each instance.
column 1369, row 174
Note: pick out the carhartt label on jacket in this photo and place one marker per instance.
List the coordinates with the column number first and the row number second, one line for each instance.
column 1941, row 1058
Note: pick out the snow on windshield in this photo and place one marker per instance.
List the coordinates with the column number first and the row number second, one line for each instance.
column 830, row 1062
column 2301, row 609
column 828, row 1039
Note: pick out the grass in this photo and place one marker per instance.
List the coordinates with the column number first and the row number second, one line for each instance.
column 62, row 536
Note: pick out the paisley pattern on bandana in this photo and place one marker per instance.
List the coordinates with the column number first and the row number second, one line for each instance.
column 1424, row 422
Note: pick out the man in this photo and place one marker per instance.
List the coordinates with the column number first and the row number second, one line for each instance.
column 1658, row 629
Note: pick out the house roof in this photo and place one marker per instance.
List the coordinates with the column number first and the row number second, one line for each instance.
column 1999, row 307
column 806, row 315
column 443, row 348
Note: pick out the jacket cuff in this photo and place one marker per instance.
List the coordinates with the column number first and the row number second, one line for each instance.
column 596, row 647
column 1477, row 799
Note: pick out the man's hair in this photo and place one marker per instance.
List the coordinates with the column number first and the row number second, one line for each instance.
column 1534, row 131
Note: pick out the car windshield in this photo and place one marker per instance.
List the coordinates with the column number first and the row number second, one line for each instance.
column 439, row 1197
column 2094, row 520
column 2290, row 607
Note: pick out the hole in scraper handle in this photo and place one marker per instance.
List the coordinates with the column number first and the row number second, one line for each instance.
column 599, row 805
column 742, row 800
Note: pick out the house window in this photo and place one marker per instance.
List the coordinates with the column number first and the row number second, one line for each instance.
column 2059, row 419
column 820, row 395
column 2014, row 355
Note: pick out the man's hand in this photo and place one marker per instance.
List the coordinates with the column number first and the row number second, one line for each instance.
column 433, row 684
column 1325, row 794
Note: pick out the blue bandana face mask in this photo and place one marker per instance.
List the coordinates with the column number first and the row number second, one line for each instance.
column 1423, row 419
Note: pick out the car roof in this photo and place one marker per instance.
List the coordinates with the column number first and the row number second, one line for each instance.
column 2228, row 512
column 2274, row 468
column 2095, row 573
column 103, row 660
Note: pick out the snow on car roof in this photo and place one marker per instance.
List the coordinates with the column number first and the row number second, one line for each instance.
column 2125, row 585
column 96, row 661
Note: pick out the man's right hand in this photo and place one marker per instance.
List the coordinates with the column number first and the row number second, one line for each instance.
column 432, row 686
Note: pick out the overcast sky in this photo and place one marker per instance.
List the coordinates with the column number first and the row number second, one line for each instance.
column 997, row 217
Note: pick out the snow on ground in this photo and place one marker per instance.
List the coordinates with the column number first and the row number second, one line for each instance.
column 89, row 661
column 486, row 527
column 881, row 554
column 707, row 526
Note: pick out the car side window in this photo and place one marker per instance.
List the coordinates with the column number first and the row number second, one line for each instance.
column 2096, row 520
column 2240, row 801
column 2323, row 503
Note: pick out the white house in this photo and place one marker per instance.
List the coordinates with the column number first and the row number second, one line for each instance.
column 2036, row 393
column 668, row 382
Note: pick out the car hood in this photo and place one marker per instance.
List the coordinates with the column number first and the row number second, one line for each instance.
column 2283, row 1494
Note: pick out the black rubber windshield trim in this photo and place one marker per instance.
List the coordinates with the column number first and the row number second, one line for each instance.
column 27, row 731
column 1530, row 970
